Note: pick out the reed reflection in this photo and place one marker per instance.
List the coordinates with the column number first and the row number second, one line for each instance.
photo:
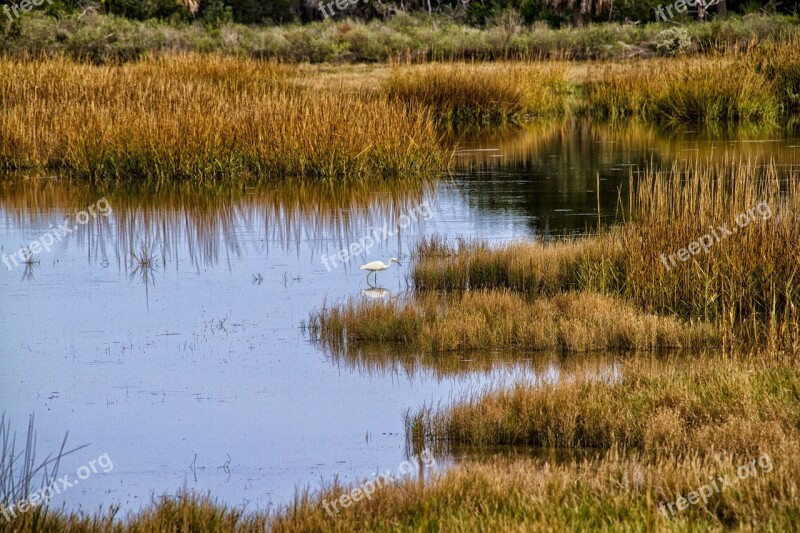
column 566, row 177
column 540, row 368
column 210, row 223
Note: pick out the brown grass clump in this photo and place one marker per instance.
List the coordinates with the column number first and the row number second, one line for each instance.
column 530, row 268
column 750, row 274
column 481, row 94
column 202, row 118
column 702, row 408
column 746, row 283
column 780, row 63
column 684, row 90
column 571, row 322
column 184, row 512
column 609, row 493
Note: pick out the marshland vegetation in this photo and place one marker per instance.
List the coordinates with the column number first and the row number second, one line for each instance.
column 210, row 117
column 484, row 94
column 658, row 419
column 613, row 492
column 203, row 118
column 684, row 90
column 419, row 37
column 570, row 322
column 744, row 405
column 728, row 392
column 611, row 290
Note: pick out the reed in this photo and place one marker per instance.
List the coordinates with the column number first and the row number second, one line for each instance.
column 529, row 268
column 746, row 283
column 751, row 274
column 21, row 472
column 203, row 118
column 570, row 322
column 609, row 493
column 184, row 512
column 700, row 407
column 464, row 94
column 780, row 63
column 687, row 90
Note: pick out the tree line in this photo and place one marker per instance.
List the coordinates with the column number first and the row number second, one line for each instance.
column 556, row 13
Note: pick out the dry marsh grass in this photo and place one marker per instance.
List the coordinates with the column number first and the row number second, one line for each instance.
column 203, row 118
column 481, row 94
column 612, row 493
column 706, row 406
column 746, row 283
column 780, row 63
column 750, row 274
column 529, row 268
column 766, row 85
column 206, row 117
column 184, row 512
column 569, row 322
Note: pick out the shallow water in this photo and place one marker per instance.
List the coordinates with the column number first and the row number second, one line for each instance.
column 195, row 371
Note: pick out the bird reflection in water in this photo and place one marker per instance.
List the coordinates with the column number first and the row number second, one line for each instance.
column 376, row 293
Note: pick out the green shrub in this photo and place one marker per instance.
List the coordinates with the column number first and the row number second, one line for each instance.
column 672, row 41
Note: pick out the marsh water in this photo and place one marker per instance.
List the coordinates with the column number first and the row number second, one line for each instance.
column 169, row 334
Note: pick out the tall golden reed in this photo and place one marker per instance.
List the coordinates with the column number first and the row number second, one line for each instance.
column 204, row 117
column 743, row 282
column 490, row 94
column 503, row 320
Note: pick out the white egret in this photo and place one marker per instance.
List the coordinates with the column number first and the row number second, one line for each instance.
column 378, row 266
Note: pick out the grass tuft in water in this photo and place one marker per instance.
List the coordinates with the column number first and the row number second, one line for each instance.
column 695, row 407
column 481, row 320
